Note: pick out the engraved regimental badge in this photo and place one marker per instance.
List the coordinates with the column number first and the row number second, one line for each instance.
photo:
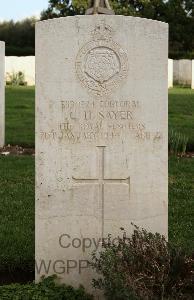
column 101, row 64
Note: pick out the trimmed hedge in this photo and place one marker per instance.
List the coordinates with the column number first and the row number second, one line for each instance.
column 17, row 51
column 181, row 55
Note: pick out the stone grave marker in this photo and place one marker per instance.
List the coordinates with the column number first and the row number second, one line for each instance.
column 2, row 94
column 101, row 136
column 182, row 72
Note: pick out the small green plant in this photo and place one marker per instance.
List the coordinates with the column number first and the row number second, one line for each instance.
column 48, row 289
column 16, row 79
column 143, row 267
column 177, row 143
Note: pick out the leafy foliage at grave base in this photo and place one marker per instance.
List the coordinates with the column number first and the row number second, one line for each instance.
column 16, row 79
column 144, row 266
column 177, row 143
column 48, row 289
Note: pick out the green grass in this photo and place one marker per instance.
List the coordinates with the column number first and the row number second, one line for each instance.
column 181, row 112
column 181, row 202
column 17, row 212
column 20, row 116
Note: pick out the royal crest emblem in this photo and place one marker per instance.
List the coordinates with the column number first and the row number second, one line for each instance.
column 101, row 64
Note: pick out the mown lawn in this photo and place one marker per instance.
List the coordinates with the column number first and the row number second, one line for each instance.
column 17, row 180
column 181, row 112
column 181, row 202
column 16, row 213
column 20, row 116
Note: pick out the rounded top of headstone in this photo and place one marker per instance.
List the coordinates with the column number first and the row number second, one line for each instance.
column 2, row 45
column 97, row 17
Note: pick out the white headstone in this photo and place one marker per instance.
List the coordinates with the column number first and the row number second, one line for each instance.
column 2, row 94
column 101, row 136
column 182, row 70
column 170, row 73
column 192, row 85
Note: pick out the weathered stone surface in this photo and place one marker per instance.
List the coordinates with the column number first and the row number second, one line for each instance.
column 2, row 94
column 170, row 73
column 101, row 135
column 182, row 71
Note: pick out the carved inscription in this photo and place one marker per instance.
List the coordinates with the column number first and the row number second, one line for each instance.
column 101, row 64
column 101, row 121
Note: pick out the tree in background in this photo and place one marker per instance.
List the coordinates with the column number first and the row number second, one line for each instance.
column 19, row 37
column 177, row 13
column 58, row 8
column 180, row 16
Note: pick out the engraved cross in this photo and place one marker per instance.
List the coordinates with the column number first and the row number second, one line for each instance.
column 101, row 180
